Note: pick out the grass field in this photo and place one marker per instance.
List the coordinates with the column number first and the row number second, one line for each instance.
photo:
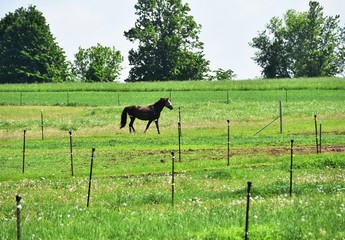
column 131, row 186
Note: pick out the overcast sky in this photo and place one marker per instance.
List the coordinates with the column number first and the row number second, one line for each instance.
column 227, row 25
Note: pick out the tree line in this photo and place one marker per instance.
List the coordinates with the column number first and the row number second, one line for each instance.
column 301, row 44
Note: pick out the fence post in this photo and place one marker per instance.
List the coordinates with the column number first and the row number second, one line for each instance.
column 19, row 207
column 228, row 142
column 316, row 139
column 291, row 166
column 172, row 177
column 90, row 179
column 247, row 211
column 281, row 116
column 71, row 151
column 23, row 165
column 320, row 136
column 42, row 124
column 179, row 129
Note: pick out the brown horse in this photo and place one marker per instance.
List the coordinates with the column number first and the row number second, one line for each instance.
column 149, row 113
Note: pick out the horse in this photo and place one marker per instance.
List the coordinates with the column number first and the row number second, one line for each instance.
column 150, row 113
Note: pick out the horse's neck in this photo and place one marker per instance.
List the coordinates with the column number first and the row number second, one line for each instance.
column 158, row 106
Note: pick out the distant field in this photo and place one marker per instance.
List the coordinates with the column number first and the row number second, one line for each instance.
column 131, row 187
column 261, row 84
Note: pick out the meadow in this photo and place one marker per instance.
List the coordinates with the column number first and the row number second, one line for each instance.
column 131, row 185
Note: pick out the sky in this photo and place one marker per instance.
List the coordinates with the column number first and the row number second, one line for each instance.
column 227, row 26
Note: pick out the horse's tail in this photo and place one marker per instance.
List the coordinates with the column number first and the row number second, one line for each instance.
column 124, row 117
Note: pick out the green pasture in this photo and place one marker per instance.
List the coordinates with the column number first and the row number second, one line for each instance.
column 131, row 186
column 260, row 84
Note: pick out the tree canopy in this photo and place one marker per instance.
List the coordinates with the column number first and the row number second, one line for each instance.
column 221, row 74
column 168, row 43
column 97, row 64
column 28, row 50
column 301, row 44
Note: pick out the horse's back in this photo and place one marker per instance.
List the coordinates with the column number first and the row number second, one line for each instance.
column 141, row 112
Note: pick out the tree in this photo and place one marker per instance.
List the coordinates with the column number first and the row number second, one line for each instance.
column 272, row 58
column 28, row 50
column 169, row 46
column 97, row 64
column 305, row 44
column 221, row 74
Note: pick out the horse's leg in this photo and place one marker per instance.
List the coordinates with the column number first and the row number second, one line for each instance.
column 156, row 122
column 131, row 125
column 147, row 126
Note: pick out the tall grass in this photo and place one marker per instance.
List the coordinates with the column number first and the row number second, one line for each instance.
column 179, row 98
column 260, row 84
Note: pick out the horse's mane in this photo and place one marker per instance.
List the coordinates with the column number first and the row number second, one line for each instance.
column 160, row 101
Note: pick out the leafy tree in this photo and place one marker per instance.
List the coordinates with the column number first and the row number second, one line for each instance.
column 28, row 50
column 305, row 44
column 97, row 64
column 273, row 57
column 169, row 46
column 221, row 74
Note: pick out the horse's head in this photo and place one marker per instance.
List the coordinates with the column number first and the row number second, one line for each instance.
column 167, row 103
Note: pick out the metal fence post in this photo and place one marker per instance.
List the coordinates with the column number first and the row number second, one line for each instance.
column 90, row 179
column 247, row 211
column 19, row 207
